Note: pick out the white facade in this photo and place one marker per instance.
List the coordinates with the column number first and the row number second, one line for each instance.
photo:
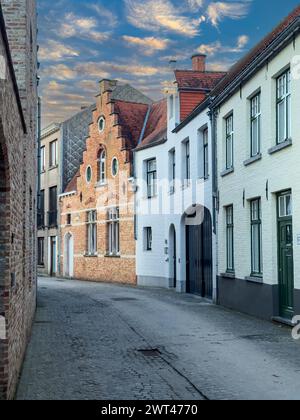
column 274, row 170
column 167, row 215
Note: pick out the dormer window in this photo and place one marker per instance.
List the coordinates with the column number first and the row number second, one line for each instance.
column 101, row 124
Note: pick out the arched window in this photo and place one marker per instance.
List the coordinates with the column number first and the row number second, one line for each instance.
column 102, row 167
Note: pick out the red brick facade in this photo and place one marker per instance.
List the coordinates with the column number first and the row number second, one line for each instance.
column 124, row 121
column 18, row 106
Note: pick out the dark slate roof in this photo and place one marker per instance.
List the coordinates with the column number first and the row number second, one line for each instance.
column 128, row 93
column 189, row 79
column 258, row 50
column 157, row 125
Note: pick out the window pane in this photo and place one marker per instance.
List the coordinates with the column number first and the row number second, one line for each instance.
column 255, row 248
column 281, row 122
column 289, row 205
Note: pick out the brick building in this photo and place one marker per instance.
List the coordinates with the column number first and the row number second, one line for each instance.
column 97, row 207
column 18, row 154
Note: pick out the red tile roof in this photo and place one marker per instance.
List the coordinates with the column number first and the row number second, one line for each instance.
column 72, row 186
column 157, row 125
column 189, row 79
column 131, row 117
column 260, row 48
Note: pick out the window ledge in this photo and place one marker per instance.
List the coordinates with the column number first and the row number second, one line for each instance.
column 280, row 146
column 254, row 279
column 253, row 159
column 227, row 172
column 51, row 168
column 112, row 256
column 228, row 275
column 101, row 184
column 86, row 255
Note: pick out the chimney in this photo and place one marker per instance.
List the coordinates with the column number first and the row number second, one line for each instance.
column 198, row 61
column 107, row 85
column 173, row 64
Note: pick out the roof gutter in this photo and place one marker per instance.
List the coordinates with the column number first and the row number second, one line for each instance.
column 277, row 45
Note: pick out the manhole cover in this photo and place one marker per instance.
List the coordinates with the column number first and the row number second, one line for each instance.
column 150, row 352
column 124, row 299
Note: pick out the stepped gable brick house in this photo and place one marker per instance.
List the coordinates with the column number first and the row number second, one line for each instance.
column 97, row 207
column 18, row 115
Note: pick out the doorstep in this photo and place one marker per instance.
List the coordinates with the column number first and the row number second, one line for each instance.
column 285, row 321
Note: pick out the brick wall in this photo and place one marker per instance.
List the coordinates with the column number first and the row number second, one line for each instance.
column 90, row 196
column 17, row 189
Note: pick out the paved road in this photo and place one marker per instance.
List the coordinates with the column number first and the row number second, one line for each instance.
column 87, row 339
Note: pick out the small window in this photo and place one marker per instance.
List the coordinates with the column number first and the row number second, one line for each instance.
column 92, row 232
column 115, row 167
column 53, row 154
column 255, row 126
column 43, row 159
column 101, row 124
column 205, row 154
column 256, row 237
column 113, row 232
column 102, row 167
column 41, row 251
column 88, row 174
column 284, row 107
column 69, row 219
column 285, row 207
column 229, row 142
column 230, row 239
column 172, row 170
column 148, row 238
column 151, row 178
column 187, row 162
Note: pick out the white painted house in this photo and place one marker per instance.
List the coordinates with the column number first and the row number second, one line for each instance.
column 257, row 109
column 173, row 169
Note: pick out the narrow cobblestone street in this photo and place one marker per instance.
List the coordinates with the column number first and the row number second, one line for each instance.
column 87, row 341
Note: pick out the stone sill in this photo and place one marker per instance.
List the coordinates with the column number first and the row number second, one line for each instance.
column 51, row 168
column 90, row 256
column 280, row 146
column 253, row 159
column 101, row 184
column 112, row 256
column 227, row 172
column 228, row 276
column 253, row 279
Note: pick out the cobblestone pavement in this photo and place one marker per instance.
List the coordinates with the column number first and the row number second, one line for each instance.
column 87, row 339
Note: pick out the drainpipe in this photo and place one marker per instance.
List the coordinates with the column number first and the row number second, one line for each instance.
column 38, row 163
column 215, row 195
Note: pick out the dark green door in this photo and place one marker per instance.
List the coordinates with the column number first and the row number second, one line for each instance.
column 286, row 268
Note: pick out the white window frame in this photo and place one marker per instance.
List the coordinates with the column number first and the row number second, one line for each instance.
column 53, row 157
column 43, row 159
column 255, row 111
column 285, row 205
column 205, row 139
column 151, row 178
column 148, row 239
column 229, row 131
column 92, row 233
column 283, row 99
column 101, row 119
column 113, row 223
column 102, row 167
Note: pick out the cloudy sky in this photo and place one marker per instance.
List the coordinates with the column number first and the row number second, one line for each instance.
column 83, row 41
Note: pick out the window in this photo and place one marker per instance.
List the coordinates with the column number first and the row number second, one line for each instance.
column 172, row 170
column 88, row 174
column 151, row 178
column 115, row 167
column 285, row 206
column 229, row 142
column 92, row 232
column 284, row 107
column 53, row 154
column 255, row 125
column 171, row 105
column 69, row 219
column 101, row 124
column 52, row 215
column 41, row 251
column 187, row 161
column 205, row 154
column 230, row 239
column 114, row 232
column 148, row 238
column 102, row 167
column 43, row 159
column 256, row 237
column 41, row 210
